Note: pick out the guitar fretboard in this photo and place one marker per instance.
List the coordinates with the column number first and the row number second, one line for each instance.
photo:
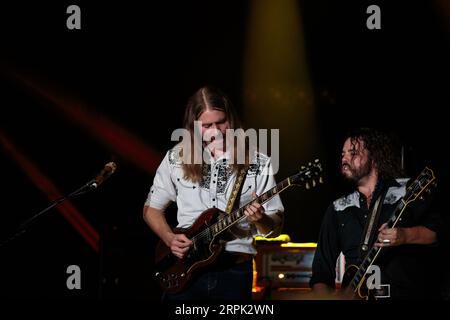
column 238, row 214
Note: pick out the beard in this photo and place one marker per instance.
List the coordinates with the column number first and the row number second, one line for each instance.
column 353, row 174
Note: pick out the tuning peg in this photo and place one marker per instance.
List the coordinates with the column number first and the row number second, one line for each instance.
column 314, row 183
column 307, row 185
column 320, row 180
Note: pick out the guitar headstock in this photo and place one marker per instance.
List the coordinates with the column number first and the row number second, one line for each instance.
column 423, row 183
column 309, row 175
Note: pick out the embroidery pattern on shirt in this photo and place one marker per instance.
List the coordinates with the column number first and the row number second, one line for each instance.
column 352, row 200
column 257, row 165
column 175, row 158
column 224, row 172
column 395, row 193
column 206, row 180
column 223, row 175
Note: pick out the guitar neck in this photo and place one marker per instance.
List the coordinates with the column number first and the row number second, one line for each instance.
column 393, row 220
column 238, row 214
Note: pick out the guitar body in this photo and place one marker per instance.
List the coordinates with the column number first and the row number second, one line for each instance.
column 361, row 291
column 172, row 273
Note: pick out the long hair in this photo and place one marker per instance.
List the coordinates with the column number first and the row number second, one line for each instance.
column 383, row 150
column 207, row 98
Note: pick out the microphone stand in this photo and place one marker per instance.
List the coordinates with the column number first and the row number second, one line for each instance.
column 91, row 185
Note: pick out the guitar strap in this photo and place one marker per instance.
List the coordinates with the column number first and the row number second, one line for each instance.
column 236, row 189
column 372, row 221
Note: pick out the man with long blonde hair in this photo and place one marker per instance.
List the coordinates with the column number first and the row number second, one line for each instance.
column 199, row 181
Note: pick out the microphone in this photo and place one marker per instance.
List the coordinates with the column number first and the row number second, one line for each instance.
column 106, row 172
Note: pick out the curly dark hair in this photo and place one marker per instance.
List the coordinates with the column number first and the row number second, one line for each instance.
column 383, row 150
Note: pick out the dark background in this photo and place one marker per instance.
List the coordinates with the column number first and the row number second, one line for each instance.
column 137, row 65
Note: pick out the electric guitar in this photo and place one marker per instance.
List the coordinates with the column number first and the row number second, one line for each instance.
column 354, row 280
column 208, row 233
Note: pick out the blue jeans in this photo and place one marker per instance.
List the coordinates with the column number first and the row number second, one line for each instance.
column 220, row 283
